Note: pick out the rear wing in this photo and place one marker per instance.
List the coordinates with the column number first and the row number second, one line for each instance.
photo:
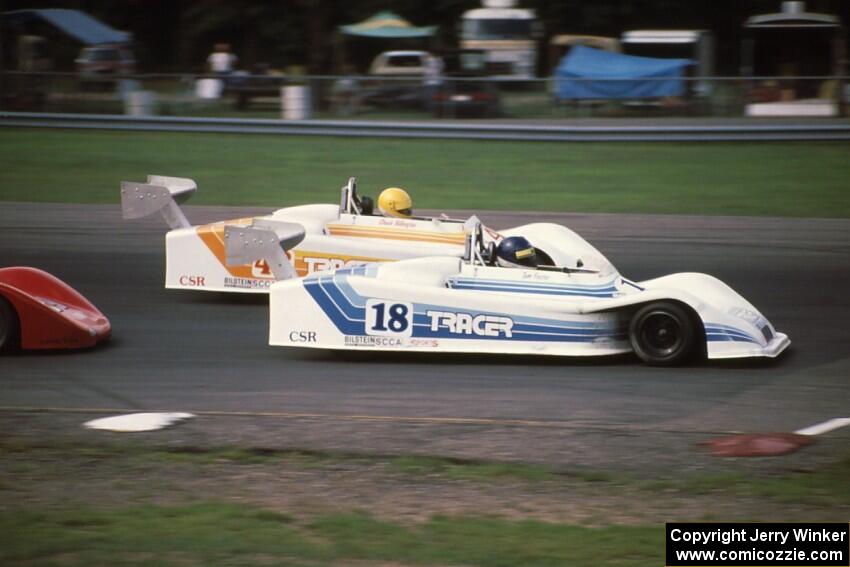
column 265, row 240
column 159, row 194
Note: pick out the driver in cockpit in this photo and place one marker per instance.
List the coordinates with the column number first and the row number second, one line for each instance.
column 395, row 202
column 516, row 252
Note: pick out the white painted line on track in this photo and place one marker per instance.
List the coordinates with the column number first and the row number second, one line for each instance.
column 135, row 422
column 824, row 427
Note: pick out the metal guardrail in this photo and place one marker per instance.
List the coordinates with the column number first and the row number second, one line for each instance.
column 420, row 99
column 656, row 132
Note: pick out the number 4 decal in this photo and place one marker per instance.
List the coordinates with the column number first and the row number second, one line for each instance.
column 384, row 318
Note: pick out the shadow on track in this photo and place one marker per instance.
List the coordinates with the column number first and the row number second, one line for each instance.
column 507, row 360
column 454, row 358
column 224, row 298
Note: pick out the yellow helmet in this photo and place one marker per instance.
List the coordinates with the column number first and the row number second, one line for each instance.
column 395, row 202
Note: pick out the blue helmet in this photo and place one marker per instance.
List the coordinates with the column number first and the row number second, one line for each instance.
column 516, row 252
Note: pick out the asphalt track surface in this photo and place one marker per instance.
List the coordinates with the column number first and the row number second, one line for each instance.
column 208, row 353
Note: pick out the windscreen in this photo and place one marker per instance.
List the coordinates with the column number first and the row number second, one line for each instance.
column 497, row 29
column 409, row 61
column 104, row 55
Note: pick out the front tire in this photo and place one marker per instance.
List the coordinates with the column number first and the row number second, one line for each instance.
column 9, row 326
column 664, row 334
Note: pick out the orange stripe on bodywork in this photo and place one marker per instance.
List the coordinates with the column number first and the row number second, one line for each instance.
column 396, row 234
column 212, row 235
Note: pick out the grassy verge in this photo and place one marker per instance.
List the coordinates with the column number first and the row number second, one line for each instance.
column 110, row 504
column 816, row 488
column 793, row 179
column 227, row 534
column 822, row 487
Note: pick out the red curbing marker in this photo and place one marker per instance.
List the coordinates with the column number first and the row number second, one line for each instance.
column 758, row 444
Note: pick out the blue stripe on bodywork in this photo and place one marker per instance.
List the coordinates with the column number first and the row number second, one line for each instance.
column 346, row 325
column 346, row 309
column 725, row 333
column 528, row 283
column 536, row 291
column 600, row 290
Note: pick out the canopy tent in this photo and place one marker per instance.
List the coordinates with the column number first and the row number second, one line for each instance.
column 74, row 23
column 794, row 42
column 796, row 61
column 587, row 73
column 793, row 14
column 387, row 25
column 383, row 31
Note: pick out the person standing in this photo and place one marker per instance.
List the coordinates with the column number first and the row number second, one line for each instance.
column 221, row 61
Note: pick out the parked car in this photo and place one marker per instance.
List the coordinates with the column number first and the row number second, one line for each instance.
column 403, row 63
column 465, row 95
column 261, row 82
column 402, row 78
column 465, row 89
column 100, row 66
column 105, row 60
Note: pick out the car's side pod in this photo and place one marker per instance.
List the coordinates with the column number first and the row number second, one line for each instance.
column 160, row 194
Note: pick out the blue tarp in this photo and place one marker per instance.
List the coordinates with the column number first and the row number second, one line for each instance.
column 596, row 74
column 76, row 24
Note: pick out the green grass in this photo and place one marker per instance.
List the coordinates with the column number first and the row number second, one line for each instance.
column 788, row 179
column 490, row 542
column 825, row 487
column 470, row 470
column 226, row 534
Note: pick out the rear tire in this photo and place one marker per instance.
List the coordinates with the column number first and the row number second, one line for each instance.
column 664, row 334
column 9, row 326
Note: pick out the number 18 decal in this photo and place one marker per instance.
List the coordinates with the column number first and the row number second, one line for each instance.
column 386, row 318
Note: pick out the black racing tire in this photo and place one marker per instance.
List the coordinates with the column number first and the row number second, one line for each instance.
column 10, row 328
column 664, row 333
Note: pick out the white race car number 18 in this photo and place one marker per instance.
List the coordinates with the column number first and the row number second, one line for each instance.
column 385, row 319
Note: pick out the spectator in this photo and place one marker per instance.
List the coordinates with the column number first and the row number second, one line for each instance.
column 221, row 61
column 433, row 79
